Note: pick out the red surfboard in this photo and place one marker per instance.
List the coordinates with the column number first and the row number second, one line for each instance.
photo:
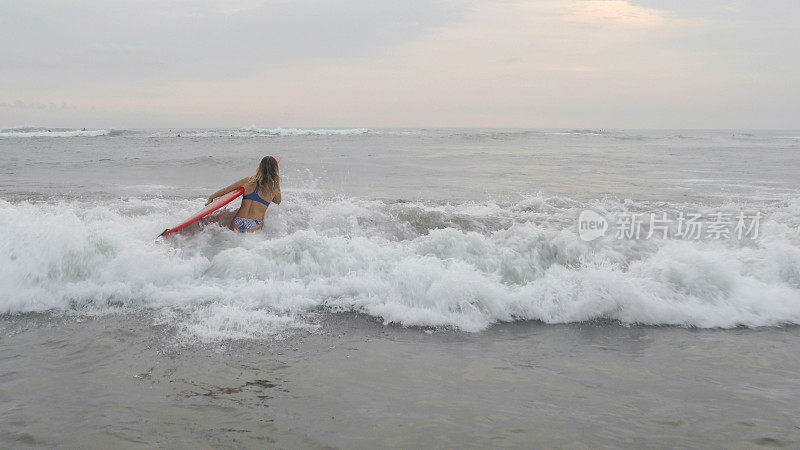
column 218, row 203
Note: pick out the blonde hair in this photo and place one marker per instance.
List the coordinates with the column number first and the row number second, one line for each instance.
column 267, row 175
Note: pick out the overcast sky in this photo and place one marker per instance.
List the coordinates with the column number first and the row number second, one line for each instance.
column 406, row 63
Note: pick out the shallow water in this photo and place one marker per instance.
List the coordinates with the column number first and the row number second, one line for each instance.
column 120, row 381
column 521, row 331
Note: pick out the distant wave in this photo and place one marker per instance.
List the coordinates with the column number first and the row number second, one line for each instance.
column 579, row 132
column 258, row 132
column 614, row 134
column 461, row 265
column 304, row 131
column 23, row 132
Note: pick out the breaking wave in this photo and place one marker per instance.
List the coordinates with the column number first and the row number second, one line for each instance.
column 24, row 132
column 303, row 131
column 32, row 132
column 265, row 132
column 462, row 265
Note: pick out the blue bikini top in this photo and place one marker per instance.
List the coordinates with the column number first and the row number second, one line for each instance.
column 254, row 196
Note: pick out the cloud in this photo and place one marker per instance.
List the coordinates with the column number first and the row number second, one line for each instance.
column 210, row 35
column 237, row 6
column 550, row 63
column 615, row 13
column 647, row 63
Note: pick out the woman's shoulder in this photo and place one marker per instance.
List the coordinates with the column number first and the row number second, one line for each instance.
column 249, row 187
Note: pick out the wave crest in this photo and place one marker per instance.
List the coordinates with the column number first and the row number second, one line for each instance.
column 465, row 265
column 26, row 132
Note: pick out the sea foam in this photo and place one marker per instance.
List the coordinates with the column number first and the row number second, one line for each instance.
column 462, row 265
column 265, row 132
column 302, row 131
column 29, row 132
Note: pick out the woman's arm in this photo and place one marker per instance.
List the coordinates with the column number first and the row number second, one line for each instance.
column 227, row 189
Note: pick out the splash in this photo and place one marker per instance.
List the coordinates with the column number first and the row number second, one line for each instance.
column 462, row 265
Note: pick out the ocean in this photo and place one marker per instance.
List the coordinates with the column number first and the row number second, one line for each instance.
column 416, row 287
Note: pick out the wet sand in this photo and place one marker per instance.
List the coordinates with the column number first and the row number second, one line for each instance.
column 120, row 381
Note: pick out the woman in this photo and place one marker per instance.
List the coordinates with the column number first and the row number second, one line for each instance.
column 259, row 190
